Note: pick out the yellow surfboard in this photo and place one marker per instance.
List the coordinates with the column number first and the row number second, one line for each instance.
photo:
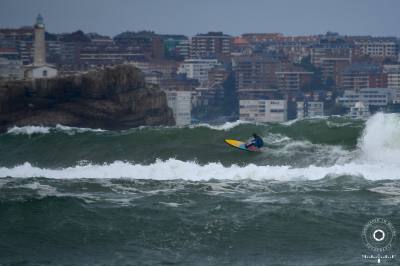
column 240, row 145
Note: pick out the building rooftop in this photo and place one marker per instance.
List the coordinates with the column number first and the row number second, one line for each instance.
column 212, row 34
column 363, row 68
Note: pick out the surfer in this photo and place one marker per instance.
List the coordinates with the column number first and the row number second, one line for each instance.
column 256, row 141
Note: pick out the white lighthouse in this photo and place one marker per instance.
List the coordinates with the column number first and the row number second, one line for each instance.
column 39, row 68
column 39, row 58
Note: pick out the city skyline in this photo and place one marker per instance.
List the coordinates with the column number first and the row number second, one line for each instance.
column 359, row 17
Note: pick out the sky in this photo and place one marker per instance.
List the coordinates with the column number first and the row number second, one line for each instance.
column 189, row 17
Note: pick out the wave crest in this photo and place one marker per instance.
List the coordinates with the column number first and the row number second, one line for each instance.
column 30, row 130
column 380, row 141
column 175, row 169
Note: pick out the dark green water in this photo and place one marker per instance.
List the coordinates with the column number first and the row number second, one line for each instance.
column 180, row 196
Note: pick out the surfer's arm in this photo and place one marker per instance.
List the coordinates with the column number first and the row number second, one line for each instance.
column 251, row 141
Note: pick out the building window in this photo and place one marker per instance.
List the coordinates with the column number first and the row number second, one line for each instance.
column 44, row 73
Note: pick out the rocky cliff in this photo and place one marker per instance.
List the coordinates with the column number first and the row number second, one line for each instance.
column 114, row 98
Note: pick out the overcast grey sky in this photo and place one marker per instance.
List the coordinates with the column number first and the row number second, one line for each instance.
column 291, row 17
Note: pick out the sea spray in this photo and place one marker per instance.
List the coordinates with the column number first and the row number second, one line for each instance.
column 381, row 139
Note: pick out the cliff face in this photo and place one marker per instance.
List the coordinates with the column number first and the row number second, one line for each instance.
column 115, row 98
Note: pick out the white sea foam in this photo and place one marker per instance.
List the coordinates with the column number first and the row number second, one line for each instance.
column 171, row 204
column 29, row 130
column 332, row 124
column 226, row 126
column 276, row 139
column 312, row 153
column 79, row 129
column 312, row 119
column 290, row 122
column 380, row 141
column 176, row 169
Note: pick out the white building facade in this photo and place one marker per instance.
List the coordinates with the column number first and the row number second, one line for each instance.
column 393, row 73
column 263, row 110
column 359, row 111
column 378, row 47
column 180, row 103
column 197, row 68
column 310, row 109
column 41, row 72
column 368, row 96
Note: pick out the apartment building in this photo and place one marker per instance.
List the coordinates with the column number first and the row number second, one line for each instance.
column 20, row 39
column 294, row 50
column 310, row 109
column 9, row 53
column 292, row 79
column 368, row 96
column 358, row 76
column 71, row 45
column 204, row 96
column 378, row 46
column 331, row 68
column 393, row 76
column 176, row 46
column 263, row 110
column 197, row 68
column 256, row 76
column 11, row 69
column 217, row 75
column 145, row 42
column 211, row 45
column 262, row 37
column 324, row 51
column 180, row 103
column 110, row 55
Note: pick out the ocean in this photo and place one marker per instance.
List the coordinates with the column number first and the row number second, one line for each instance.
column 181, row 196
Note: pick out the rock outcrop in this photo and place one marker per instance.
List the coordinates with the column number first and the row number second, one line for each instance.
column 114, row 98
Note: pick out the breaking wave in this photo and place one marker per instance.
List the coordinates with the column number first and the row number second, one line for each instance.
column 225, row 127
column 29, row 130
column 294, row 151
column 176, row 169
column 381, row 139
